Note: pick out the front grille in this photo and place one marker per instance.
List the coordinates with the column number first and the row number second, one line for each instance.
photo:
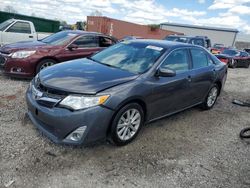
column 46, row 96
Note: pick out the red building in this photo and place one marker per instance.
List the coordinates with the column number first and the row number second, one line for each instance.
column 120, row 29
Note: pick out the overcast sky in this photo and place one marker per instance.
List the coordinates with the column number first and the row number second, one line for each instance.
column 223, row 13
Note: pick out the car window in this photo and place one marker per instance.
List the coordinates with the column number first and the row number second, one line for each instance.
column 243, row 54
column 20, row 27
column 199, row 58
column 199, row 42
column 86, row 42
column 177, row 60
column 105, row 41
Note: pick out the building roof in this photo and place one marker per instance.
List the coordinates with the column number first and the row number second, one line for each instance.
column 200, row 27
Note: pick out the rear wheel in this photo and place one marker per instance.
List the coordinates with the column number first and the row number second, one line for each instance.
column 247, row 65
column 44, row 64
column 211, row 98
column 127, row 124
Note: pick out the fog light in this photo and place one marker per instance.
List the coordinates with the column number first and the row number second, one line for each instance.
column 76, row 135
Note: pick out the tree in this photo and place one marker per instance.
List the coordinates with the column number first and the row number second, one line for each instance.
column 10, row 9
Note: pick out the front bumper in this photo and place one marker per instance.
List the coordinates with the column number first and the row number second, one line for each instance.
column 24, row 68
column 57, row 123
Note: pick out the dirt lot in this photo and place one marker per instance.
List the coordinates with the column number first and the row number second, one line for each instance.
column 191, row 149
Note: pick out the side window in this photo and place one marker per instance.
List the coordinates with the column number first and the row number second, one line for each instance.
column 177, row 60
column 20, row 27
column 105, row 42
column 199, row 58
column 86, row 42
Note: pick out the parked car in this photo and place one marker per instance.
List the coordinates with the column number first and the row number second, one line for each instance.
column 116, row 91
column 14, row 30
column 234, row 58
column 217, row 48
column 26, row 59
column 196, row 40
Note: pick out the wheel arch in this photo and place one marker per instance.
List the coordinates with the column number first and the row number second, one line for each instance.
column 138, row 100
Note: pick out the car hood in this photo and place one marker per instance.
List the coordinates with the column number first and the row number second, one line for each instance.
column 25, row 45
column 83, row 76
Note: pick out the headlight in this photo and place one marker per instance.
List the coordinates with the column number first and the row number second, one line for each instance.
column 81, row 102
column 22, row 54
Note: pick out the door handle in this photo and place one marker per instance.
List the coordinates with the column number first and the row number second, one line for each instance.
column 189, row 78
column 31, row 36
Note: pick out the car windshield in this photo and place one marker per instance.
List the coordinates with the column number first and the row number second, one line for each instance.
column 231, row 52
column 59, row 38
column 5, row 24
column 177, row 39
column 133, row 57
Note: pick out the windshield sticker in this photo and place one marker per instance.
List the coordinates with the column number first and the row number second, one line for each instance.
column 154, row 48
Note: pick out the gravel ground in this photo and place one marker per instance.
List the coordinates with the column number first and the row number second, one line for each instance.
column 191, row 149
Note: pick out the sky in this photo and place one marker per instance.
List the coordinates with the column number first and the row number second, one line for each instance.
column 216, row 13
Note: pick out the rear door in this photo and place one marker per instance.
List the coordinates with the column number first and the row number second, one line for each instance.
column 202, row 74
column 86, row 46
column 19, row 31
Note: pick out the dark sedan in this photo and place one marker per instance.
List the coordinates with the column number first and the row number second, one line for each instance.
column 234, row 58
column 116, row 91
column 26, row 59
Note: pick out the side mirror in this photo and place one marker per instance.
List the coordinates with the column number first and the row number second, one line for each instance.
column 164, row 72
column 72, row 46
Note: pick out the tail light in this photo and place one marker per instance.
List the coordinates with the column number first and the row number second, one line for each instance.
column 224, row 60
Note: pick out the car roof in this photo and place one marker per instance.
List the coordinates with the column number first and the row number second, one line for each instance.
column 162, row 43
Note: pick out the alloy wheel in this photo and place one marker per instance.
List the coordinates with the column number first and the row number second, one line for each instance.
column 46, row 64
column 212, row 96
column 128, row 124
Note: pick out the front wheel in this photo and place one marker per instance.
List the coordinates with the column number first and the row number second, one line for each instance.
column 127, row 124
column 211, row 98
column 44, row 64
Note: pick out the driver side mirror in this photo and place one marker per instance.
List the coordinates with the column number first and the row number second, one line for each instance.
column 164, row 72
column 72, row 47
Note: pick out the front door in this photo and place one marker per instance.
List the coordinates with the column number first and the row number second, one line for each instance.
column 19, row 31
column 86, row 46
column 171, row 94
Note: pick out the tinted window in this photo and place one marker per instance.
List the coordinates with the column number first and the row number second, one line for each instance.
column 105, row 42
column 199, row 58
column 86, row 42
column 199, row 42
column 133, row 57
column 20, row 27
column 177, row 60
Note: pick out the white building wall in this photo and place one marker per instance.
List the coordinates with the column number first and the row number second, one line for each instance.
column 222, row 37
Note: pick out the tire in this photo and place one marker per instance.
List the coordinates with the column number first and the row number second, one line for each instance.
column 121, row 132
column 211, row 99
column 245, row 133
column 44, row 64
column 233, row 64
column 247, row 65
